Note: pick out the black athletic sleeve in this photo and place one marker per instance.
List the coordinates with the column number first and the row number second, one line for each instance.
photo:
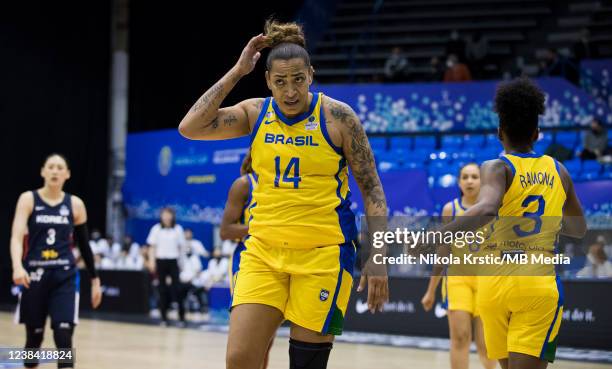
column 81, row 235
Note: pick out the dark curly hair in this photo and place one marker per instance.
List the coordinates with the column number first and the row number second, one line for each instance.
column 286, row 41
column 518, row 104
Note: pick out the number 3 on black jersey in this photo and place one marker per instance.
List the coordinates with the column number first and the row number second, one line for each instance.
column 294, row 163
column 50, row 236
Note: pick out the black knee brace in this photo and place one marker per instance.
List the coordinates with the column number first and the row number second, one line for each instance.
column 34, row 338
column 306, row 355
column 62, row 334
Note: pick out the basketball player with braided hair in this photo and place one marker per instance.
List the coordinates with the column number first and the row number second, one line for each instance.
column 299, row 253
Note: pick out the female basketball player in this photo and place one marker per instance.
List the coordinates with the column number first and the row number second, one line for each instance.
column 46, row 270
column 532, row 198
column 299, row 254
column 459, row 292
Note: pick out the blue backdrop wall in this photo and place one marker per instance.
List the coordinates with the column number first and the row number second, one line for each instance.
column 425, row 107
column 165, row 169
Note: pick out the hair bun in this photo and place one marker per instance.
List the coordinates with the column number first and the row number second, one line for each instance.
column 278, row 33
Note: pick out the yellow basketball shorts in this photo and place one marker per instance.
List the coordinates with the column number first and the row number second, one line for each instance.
column 521, row 314
column 459, row 293
column 311, row 287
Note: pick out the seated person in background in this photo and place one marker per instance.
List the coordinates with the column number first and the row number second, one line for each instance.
column 103, row 262
column 217, row 271
column 194, row 245
column 130, row 257
column 99, row 245
column 554, row 64
column 597, row 264
column 595, row 142
column 115, row 249
column 396, row 66
column 476, row 52
column 190, row 268
column 94, row 238
column 132, row 247
column 456, row 71
column 107, row 262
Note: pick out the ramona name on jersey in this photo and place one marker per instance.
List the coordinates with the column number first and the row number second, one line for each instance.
column 537, row 178
column 296, row 141
column 51, row 219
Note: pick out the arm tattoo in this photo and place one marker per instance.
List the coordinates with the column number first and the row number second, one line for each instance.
column 229, row 120
column 361, row 157
column 258, row 105
column 210, row 97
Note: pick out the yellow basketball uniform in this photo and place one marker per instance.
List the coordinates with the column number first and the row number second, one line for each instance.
column 459, row 291
column 300, row 253
column 521, row 312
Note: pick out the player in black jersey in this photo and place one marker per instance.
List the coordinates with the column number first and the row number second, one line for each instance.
column 49, row 219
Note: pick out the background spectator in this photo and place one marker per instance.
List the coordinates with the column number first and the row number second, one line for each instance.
column 396, row 66
column 93, row 240
column 456, row 71
column 191, row 267
column 476, row 52
column 597, row 264
column 554, row 64
column 130, row 257
column 99, row 245
column 595, row 142
column 217, row 271
column 115, row 248
column 195, row 246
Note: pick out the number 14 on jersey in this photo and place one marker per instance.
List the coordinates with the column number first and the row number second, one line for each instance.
column 293, row 165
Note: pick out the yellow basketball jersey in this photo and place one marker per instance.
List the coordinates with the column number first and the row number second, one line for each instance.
column 461, row 271
column 458, row 208
column 302, row 196
column 532, row 207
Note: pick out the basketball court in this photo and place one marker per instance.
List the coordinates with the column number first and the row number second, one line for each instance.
column 107, row 345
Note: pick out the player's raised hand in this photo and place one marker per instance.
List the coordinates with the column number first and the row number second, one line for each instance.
column 21, row 277
column 251, row 54
column 96, row 293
